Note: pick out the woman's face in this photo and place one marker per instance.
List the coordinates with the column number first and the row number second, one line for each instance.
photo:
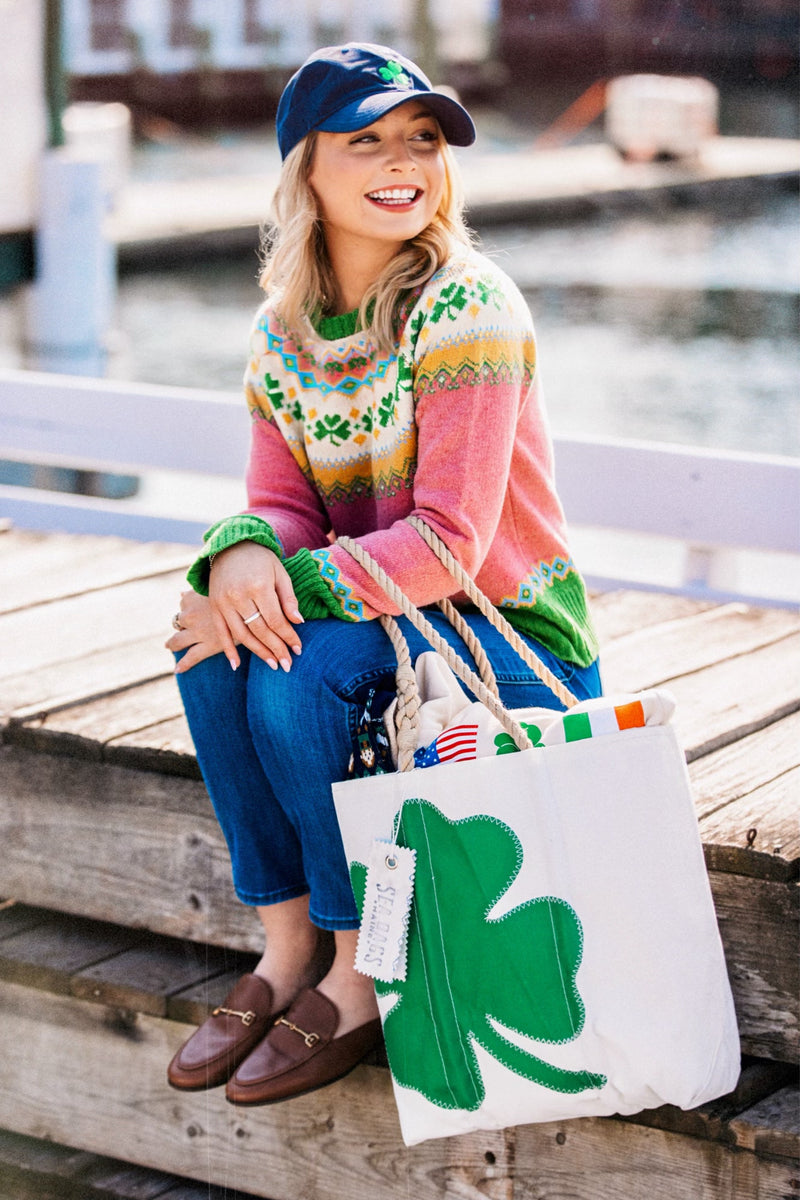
column 381, row 185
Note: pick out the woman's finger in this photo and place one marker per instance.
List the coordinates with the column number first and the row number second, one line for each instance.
column 261, row 638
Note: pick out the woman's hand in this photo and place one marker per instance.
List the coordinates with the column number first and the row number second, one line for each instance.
column 197, row 634
column 253, row 604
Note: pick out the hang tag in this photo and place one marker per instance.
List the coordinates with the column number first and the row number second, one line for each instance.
column 383, row 936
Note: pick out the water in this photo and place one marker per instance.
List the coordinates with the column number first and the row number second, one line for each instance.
column 681, row 327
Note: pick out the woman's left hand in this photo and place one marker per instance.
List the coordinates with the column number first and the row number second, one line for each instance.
column 198, row 635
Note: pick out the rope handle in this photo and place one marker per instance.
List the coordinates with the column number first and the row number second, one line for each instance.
column 407, row 715
column 495, row 618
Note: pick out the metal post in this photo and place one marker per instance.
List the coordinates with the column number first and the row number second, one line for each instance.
column 54, row 79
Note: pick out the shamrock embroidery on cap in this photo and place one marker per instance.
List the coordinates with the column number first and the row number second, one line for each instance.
column 394, row 74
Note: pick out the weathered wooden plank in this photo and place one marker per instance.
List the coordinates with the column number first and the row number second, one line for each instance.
column 772, row 1127
column 83, row 729
column 39, row 568
column 92, row 675
column 145, row 850
column 194, row 1003
column 134, row 847
column 37, row 637
column 619, row 613
column 341, row 1141
column 766, row 819
column 758, row 922
column 612, row 1160
column 52, row 951
column 741, row 767
column 745, row 796
column 726, row 702
column 652, row 656
column 143, row 977
column 166, row 747
column 32, row 1169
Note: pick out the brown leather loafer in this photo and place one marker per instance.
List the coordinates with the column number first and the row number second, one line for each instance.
column 225, row 1039
column 301, row 1053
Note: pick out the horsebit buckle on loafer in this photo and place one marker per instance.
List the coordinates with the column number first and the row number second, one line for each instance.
column 310, row 1039
column 246, row 1018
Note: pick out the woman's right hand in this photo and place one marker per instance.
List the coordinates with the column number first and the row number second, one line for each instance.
column 253, row 604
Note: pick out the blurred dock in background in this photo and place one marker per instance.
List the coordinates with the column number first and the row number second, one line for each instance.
column 223, row 199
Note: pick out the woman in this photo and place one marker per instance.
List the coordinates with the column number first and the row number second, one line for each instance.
column 392, row 372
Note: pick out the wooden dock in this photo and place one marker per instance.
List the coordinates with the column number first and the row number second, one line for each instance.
column 154, row 218
column 121, row 928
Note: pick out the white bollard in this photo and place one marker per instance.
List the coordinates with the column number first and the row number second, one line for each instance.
column 71, row 302
column 652, row 116
column 93, row 128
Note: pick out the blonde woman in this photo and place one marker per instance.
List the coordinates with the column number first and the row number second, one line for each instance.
column 392, row 372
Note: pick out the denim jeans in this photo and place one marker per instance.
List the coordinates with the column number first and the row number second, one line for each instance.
column 270, row 744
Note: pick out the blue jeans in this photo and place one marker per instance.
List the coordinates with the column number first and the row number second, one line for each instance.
column 270, row 744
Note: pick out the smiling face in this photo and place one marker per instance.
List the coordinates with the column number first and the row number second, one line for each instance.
column 378, row 187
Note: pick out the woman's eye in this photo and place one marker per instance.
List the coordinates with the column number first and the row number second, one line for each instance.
column 426, row 135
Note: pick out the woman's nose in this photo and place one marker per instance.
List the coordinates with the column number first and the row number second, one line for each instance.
column 398, row 155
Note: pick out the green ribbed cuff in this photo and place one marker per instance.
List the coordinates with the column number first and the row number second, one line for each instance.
column 242, row 528
column 314, row 597
column 560, row 620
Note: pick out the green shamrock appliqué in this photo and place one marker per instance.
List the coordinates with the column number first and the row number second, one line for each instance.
column 394, row 74
column 506, row 745
column 517, row 970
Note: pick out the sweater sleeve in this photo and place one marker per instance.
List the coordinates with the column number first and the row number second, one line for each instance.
column 471, row 360
column 284, row 510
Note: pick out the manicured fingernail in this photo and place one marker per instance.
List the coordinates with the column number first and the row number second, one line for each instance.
column 271, row 663
column 297, row 616
column 286, row 663
column 298, row 649
column 234, row 663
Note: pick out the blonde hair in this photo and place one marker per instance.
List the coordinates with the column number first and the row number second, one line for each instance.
column 296, row 271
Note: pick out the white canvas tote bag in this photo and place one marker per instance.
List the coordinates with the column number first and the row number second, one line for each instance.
column 557, row 953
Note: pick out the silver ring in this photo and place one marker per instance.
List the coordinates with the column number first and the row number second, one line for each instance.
column 253, row 617
column 176, row 622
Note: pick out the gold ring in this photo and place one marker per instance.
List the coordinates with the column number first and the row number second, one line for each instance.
column 176, row 622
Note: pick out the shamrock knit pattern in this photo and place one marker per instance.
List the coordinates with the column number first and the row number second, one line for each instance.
column 348, row 440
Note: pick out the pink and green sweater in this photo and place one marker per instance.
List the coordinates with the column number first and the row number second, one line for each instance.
column 346, row 440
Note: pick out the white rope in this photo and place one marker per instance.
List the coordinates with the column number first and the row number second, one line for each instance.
column 473, row 644
column 484, row 604
column 456, row 664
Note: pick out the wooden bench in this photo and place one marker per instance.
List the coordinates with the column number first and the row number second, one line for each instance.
column 124, row 929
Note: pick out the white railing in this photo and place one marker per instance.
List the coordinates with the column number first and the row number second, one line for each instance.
column 712, row 502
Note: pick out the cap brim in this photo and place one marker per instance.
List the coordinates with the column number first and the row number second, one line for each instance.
column 454, row 121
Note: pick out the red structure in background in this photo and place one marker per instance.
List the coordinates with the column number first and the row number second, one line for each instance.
column 758, row 39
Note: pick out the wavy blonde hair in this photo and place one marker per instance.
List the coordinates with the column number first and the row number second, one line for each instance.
column 296, row 272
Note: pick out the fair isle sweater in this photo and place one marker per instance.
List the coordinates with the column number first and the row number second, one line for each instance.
column 346, row 440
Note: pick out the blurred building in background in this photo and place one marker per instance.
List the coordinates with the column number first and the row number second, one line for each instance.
column 755, row 38
column 196, row 61
column 214, row 61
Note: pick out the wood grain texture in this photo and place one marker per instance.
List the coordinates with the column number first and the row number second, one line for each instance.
column 38, row 568
column 144, row 850
column 41, row 636
column 134, row 847
column 656, row 654
column 758, row 921
column 341, row 1141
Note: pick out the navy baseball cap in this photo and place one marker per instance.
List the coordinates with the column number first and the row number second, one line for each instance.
column 344, row 88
